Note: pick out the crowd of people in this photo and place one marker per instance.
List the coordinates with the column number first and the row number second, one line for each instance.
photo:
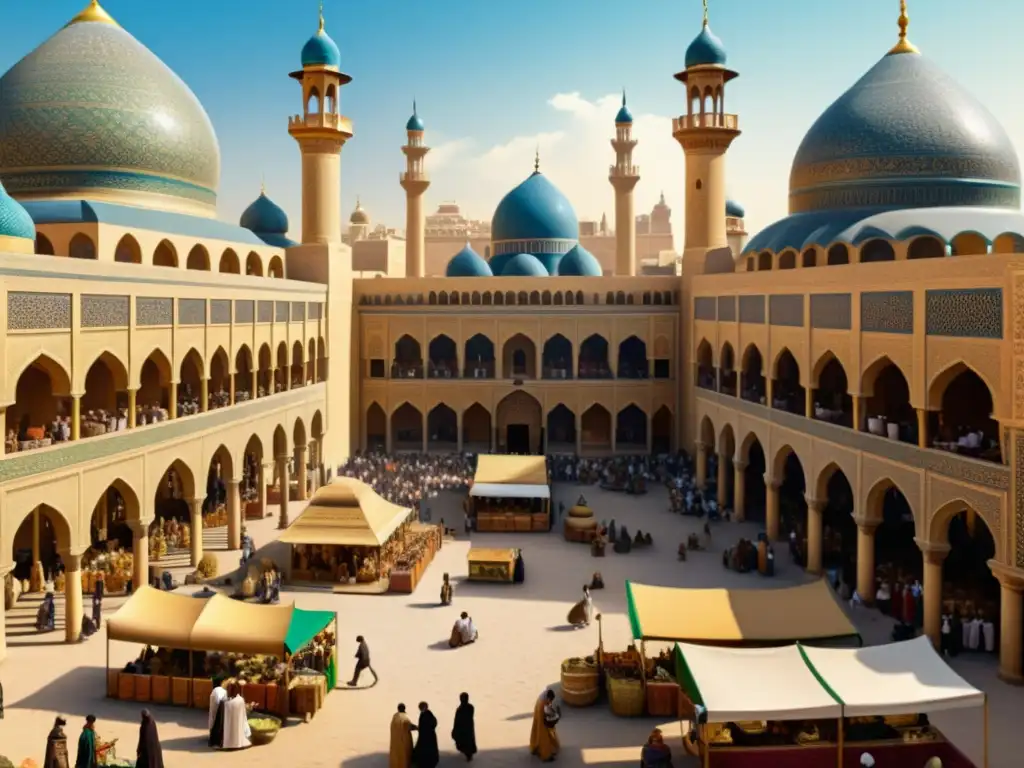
column 410, row 480
column 425, row 753
column 92, row 751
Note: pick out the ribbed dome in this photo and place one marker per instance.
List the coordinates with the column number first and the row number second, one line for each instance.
column 579, row 262
column 534, row 210
column 705, row 49
column 906, row 135
column 523, row 265
column 93, row 109
column 734, row 209
column 320, row 50
column 264, row 216
column 468, row 263
column 14, row 219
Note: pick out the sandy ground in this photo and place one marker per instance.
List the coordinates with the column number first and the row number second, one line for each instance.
column 523, row 641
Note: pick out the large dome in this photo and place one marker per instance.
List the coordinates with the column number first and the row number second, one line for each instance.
column 534, row 210
column 93, row 113
column 906, row 135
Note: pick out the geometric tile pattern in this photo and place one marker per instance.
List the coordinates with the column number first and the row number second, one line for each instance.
column 887, row 311
column 30, row 311
column 191, row 311
column 153, row 311
column 220, row 312
column 831, row 311
column 105, row 311
column 969, row 313
column 786, row 309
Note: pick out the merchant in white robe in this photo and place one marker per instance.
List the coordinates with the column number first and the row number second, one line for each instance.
column 236, row 721
column 216, row 719
column 463, row 632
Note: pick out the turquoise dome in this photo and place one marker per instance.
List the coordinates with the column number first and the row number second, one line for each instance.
column 498, row 262
column 534, row 210
column 624, row 116
column 468, row 263
column 579, row 262
column 523, row 265
column 264, row 216
column 321, row 51
column 906, row 135
column 415, row 123
column 705, row 49
column 93, row 109
column 734, row 209
column 14, row 220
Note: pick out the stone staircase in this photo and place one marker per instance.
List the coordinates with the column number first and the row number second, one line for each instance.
column 178, row 560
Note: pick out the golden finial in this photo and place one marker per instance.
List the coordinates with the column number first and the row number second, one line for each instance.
column 904, row 45
column 93, row 12
column 536, row 160
column 705, row 13
column 321, row 16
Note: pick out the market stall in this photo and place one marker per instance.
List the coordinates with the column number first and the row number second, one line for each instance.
column 492, row 564
column 349, row 535
column 510, row 493
column 284, row 657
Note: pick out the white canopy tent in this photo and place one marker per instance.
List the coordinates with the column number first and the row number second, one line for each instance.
column 510, row 491
column 740, row 684
column 896, row 679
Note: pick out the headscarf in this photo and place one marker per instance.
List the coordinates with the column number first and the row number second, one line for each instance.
column 655, row 737
column 867, row 761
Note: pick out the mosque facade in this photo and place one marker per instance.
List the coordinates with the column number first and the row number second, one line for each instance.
column 821, row 365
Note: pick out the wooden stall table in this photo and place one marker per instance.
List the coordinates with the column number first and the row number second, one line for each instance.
column 492, row 564
column 403, row 582
column 306, row 694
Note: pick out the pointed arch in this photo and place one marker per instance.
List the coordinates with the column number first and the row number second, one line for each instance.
column 165, row 254
column 127, row 251
column 254, row 264
column 229, row 263
column 276, row 268
column 198, row 259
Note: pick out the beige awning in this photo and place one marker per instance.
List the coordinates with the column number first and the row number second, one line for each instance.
column 511, row 470
column 234, row 626
column 724, row 616
column 156, row 618
column 347, row 512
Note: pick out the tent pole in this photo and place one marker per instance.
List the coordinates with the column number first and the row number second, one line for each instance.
column 985, row 735
column 107, row 681
column 707, row 746
column 840, row 740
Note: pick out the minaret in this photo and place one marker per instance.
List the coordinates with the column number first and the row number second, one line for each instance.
column 705, row 133
column 321, row 132
column 415, row 182
column 624, row 176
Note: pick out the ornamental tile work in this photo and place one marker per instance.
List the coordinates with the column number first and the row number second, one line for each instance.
column 220, row 312
column 298, row 310
column 969, row 313
column 105, row 311
column 786, row 309
column 29, row 311
column 887, row 311
column 727, row 309
column 191, row 311
column 705, row 308
column 752, row 309
column 315, row 310
column 153, row 311
column 831, row 311
column 265, row 312
column 244, row 311
column 281, row 311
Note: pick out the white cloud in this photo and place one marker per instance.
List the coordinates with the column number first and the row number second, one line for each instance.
column 575, row 153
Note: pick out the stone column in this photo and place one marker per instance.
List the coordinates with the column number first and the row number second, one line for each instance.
column 265, row 470
column 234, row 515
column 286, row 377
column 204, row 395
column 36, row 578
column 815, row 509
column 769, row 388
column 140, row 553
column 231, row 389
column 739, row 490
column 650, row 434
column 426, row 431
column 1011, row 621
column 723, row 495
column 579, row 424
column 866, row 559
column 131, row 409
column 809, row 403
column 284, row 483
column 72, row 596
column 922, row 428
column 255, row 383
column 858, row 415
column 104, row 521
column 300, row 471
column 933, row 557
column 172, row 400
column 702, row 465
column 76, row 417
column 196, row 540
column 4, row 570
column 458, row 428
column 312, row 362
column 771, row 512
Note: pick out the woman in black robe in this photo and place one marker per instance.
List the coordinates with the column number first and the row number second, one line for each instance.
column 150, row 753
column 57, row 746
column 519, row 570
column 464, row 730
column 426, row 753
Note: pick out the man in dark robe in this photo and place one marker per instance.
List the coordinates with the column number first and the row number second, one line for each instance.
column 519, row 570
column 57, row 746
column 149, row 752
column 86, row 755
column 464, row 730
column 426, row 753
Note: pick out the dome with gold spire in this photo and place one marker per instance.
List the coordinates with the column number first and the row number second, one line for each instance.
column 92, row 112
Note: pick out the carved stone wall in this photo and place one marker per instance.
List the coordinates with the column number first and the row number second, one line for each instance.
column 28, row 311
column 191, row 311
column 105, row 311
column 887, row 311
column 220, row 312
column 832, row 311
column 154, row 311
column 975, row 313
column 786, row 309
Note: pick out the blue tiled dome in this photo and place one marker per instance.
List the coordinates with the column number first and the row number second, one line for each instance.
column 92, row 110
column 534, row 210
column 734, row 209
column 14, row 220
column 415, row 123
column 523, row 265
column 906, row 135
column 706, row 48
column 321, row 50
column 624, row 116
column 264, row 216
column 468, row 263
column 498, row 262
column 579, row 262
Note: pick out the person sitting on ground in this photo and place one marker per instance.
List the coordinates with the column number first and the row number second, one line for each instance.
column 597, row 582
column 656, row 753
column 463, row 632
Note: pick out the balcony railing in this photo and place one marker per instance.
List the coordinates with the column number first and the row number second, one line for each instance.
column 413, row 176
column 321, row 120
column 708, row 120
column 623, row 170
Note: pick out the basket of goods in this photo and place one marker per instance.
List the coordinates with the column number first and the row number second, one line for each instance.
column 625, row 692
column 264, row 728
column 580, row 681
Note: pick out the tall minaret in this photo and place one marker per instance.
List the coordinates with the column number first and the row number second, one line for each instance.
column 624, row 176
column 321, row 132
column 705, row 133
column 415, row 182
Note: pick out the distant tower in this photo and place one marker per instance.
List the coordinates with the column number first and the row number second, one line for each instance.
column 415, row 182
column 358, row 224
column 624, row 176
column 321, row 132
column 705, row 133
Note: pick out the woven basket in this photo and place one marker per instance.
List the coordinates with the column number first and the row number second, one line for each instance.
column 626, row 697
column 579, row 685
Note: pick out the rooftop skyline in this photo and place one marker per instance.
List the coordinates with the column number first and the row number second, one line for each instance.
column 559, row 88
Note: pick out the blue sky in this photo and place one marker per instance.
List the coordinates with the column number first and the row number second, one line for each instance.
column 495, row 79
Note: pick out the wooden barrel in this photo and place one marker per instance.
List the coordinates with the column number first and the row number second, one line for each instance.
column 579, row 684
